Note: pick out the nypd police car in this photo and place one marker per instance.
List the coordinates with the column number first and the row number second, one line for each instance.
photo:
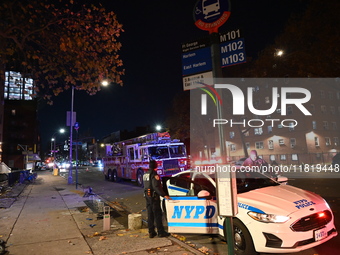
column 272, row 217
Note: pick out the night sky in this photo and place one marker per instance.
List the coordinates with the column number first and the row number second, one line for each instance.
column 151, row 52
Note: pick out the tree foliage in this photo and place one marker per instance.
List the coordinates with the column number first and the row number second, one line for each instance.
column 310, row 45
column 60, row 45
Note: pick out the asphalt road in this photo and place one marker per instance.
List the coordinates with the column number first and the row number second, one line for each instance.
column 129, row 196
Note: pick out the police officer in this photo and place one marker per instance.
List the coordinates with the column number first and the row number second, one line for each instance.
column 152, row 191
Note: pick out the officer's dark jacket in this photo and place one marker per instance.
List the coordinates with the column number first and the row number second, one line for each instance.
column 150, row 182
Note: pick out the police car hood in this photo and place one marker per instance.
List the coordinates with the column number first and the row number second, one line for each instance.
column 282, row 200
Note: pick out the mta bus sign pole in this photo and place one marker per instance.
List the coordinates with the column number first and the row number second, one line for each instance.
column 209, row 16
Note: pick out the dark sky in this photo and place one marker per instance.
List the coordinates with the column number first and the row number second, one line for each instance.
column 151, row 52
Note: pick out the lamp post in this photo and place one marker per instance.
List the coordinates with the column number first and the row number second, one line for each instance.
column 72, row 121
column 61, row 131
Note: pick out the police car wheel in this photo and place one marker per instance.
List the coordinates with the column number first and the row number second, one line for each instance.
column 140, row 179
column 243, row 243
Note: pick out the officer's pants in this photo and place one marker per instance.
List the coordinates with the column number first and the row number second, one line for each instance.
column 155, row 213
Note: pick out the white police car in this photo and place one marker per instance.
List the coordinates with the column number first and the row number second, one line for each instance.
column 271, row 218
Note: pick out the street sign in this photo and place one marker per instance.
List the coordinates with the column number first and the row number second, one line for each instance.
column 77, row 143
column 68, row 118
column 233, row 52
column 196, row 61
column 209, row 15
column 197, row 80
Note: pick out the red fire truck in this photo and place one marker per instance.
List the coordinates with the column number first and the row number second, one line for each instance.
column 130, row 159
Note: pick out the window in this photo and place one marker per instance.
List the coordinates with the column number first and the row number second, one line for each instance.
column 312, row 107
column 314, row 124
column 281, row 141
column 295, row 157
column 330, row 94
column 13, row 112
column 334, row 126
column 283, row 157
column 338, row 95
column 259, row 145
column 336, row 141
column 232, row 147
column 332, row 110
column 292, row 142
column 270, row 129
column 231, row 134
column 325, row 125
column 245, row 132
column 272, row 157
column 279, row 126
column 289, row 110
column 258, row 131
column 316, row 141
column 291, row 126
column 248, row 146
column 131, row 153
column 323, row 109
column 267, row 100
column 322, row 94
column 270, row 144
column 327, row 141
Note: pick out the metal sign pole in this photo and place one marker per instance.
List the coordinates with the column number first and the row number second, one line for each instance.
column 217, row 73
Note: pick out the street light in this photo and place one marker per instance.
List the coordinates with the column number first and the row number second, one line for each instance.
column 61, row 131
column 72, row 121
column 158, row 128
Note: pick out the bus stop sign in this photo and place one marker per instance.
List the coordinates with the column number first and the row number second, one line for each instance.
column 209, row 15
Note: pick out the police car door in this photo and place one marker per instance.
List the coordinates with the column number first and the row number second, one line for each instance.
column 191, row 209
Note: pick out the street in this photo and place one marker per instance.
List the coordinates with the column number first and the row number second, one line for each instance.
column 128, row 195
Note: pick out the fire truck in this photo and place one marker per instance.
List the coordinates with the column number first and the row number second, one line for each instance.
column 129, row 159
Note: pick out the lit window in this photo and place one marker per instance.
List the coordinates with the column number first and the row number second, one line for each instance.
column 295, row 157
column 270, row 144
column 270, row 129
column 13, row 112
column 314, row 124
column 258, row 131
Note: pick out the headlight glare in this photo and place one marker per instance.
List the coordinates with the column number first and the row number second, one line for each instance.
column 268, row 218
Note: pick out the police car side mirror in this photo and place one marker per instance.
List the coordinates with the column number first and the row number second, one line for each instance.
column 204, row 194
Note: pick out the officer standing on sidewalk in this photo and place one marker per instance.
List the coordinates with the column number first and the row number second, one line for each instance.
column 152, row 191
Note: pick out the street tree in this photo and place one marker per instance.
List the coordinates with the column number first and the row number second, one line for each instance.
column 308, row 47
column 60, row 45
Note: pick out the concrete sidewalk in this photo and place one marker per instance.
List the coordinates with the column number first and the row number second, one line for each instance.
column 50, row 217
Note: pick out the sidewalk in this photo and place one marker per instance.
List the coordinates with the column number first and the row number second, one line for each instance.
column 50, row 217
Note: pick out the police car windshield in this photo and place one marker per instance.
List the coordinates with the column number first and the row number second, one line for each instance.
column 177, row 151
column 158, row 152
column 251, row 181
